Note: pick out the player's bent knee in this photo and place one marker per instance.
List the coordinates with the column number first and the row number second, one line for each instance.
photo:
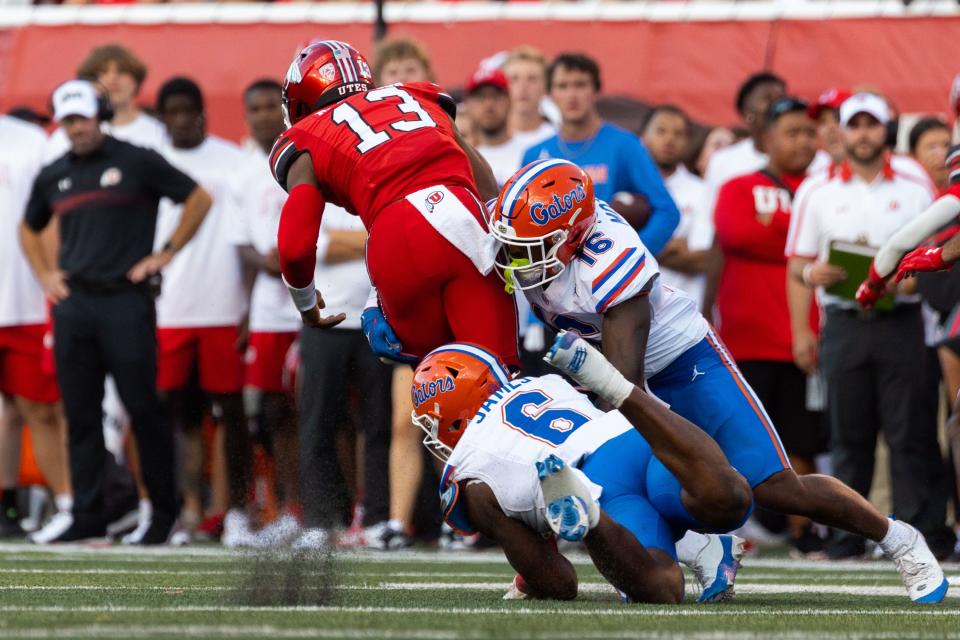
column 663, row 585
column 730, row 504
column 567, row 590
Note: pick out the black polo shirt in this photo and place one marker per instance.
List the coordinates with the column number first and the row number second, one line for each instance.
column 107, row 206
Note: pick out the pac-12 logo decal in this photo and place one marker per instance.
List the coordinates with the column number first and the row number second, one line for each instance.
column 541, row 214
column 433, row 199
column 432, row 389
column 111, row 177
column 328, row 72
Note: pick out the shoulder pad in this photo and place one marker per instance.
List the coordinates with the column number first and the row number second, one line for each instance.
column 448, row 104
column 282, row 155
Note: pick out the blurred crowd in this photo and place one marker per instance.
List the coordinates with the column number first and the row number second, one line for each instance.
column 298, row 436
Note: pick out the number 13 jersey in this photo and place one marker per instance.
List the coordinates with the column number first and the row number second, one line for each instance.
column 377, row 147
column 522, row 423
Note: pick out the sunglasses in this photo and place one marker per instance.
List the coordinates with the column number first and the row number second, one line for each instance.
column 783, row 106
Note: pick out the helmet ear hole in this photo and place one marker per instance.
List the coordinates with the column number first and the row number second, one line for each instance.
column 455, row 425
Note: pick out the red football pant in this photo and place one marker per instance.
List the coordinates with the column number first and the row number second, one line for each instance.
column 431, row 293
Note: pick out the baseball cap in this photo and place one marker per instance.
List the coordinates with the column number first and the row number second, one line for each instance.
column 783, row 106
column 864, row 103
column 830, row 99
column 487, row 76
column 75, row 98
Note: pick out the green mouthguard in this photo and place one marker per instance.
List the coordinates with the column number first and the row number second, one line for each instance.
column 509, row 281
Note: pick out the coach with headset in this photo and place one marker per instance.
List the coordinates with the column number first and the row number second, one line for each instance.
column 105, row 194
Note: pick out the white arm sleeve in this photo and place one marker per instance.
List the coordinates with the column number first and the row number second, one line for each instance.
column 913, row 233
column 371, row 298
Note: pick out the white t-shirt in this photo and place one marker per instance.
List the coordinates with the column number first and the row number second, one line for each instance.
column 259, row 200
column 843, row 207
column 344, row 286
column 521, row 424
column 527, row 139
column 617, row 269
column 143, row 131
column 21, row 157
column 203, row 284
column 730, row 162
column 504, row 158
column 696, row 226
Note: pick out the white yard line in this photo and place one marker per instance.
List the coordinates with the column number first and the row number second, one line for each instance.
column 505, row 575
column 27, row 553
column 263, row 631
column 839, row 576
column 743, row 587
column 682, row 611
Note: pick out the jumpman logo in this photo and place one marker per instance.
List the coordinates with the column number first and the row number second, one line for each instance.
column 696, row 373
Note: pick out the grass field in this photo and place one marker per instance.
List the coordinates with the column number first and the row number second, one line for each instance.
column 206, row 592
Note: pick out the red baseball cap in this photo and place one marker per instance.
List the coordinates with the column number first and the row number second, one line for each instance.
column 487, row 76
column 829, row 99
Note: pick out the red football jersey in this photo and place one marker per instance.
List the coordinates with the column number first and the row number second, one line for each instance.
column 752, row 217
column 376, row 147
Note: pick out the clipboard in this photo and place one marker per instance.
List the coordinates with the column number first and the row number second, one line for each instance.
column 855, row 259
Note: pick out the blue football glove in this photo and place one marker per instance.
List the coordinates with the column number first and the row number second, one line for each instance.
column 381, row 337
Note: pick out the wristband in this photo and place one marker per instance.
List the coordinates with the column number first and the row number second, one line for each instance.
column 169, row 248
column 616, row 389
column 304, row 299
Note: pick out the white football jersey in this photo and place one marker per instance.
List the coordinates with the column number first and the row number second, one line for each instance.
column 203, row 284
column 521, row 424
column 614, row 267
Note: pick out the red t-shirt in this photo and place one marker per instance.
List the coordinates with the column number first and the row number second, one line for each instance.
column 752, row 217
column 376, row 147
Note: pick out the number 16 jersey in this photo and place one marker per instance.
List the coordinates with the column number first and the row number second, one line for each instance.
column 377, row 147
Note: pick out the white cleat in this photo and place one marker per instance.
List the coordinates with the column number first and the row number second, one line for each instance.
column 278, row 533
column 385, row 536
column 919, row 569
column 237, row 532
column 516, row 592
column 58, row 524
column 716, row 567
column 571, row 510
column 144, row 520
column 312, row 539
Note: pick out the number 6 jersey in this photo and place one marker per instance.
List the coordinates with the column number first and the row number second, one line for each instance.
column 522, row 423
column 376, row 147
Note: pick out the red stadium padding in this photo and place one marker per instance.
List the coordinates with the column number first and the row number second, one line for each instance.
column 695, row 64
